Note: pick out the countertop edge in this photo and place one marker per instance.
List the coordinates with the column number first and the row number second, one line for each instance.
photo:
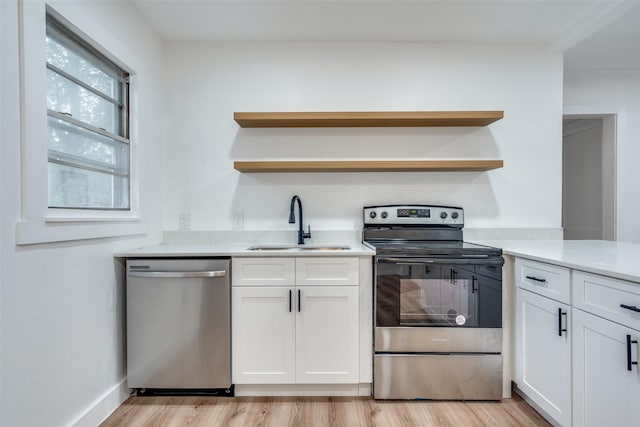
column 576, row 266
column 185, row 251
column 618, row 260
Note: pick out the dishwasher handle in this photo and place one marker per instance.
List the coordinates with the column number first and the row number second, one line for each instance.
column 177, row 274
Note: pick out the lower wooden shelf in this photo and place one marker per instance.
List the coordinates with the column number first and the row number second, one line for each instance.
column 275, row 166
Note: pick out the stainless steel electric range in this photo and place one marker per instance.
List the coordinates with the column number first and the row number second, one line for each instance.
column 438, row 306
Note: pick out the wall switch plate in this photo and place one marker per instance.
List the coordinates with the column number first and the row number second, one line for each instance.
column 184, row 221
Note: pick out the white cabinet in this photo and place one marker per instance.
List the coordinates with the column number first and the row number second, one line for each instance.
column 542, row 337
column 295, row 320
column 606, row 330
column 543, row 353
column 327, row 335
column 263, row 271
column 588, row 375
column 613, row 299
column 263, row 335
column 548, row 280
column 606, row 392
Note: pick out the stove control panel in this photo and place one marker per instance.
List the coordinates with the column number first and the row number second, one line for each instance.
column 414, row 215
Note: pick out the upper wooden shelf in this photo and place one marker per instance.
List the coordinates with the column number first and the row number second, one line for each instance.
column 368, row 166
column 367, row 119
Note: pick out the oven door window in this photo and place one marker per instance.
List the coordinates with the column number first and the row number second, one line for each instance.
column 426, row 295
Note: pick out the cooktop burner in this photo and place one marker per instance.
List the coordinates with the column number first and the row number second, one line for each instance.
column 417, row 248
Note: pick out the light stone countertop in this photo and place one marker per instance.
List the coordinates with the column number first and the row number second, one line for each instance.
column 233, row 243
column 614, row 259
column 187, row 250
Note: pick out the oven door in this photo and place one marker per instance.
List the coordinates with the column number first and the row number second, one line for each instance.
column 438, row 292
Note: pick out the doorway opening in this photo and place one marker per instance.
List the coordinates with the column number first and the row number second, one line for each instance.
column 589, row 177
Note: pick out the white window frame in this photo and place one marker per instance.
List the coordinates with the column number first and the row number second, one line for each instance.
column 78, row 126
column 38, row 222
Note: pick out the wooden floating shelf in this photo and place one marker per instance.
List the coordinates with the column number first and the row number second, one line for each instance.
column 369, row 166
column 367, row 119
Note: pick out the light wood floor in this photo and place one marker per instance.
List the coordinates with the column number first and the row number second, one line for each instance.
column 318, row 411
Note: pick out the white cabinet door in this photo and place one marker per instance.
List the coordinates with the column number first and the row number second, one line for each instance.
column 612, row 299
column 330, row 271
column 263, row 271
column 549, row 280
column 605, row 392
column 543, row 353
column 263, row 344
column 327, row 334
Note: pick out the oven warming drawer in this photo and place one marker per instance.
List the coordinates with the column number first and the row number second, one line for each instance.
column 438, row 376
column 438, row 340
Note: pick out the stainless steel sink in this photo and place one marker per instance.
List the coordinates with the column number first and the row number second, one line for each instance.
column 299, row 248
column 323, row 248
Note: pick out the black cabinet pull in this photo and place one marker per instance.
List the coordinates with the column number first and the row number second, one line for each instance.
column 536, row 279
column 630, row 363
column 630, row 307
column 298, row 300
column 560, row 328
column 289, row 300
column 474, row 280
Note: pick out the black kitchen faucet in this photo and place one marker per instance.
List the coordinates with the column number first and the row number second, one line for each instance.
column 292, row 220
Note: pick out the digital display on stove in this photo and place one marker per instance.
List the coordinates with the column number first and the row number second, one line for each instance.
column 414, row 213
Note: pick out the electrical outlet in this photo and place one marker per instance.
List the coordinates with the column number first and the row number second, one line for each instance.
column 238, row 221
column 184, row 221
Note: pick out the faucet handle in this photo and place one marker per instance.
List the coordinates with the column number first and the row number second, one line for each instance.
column 307, row 234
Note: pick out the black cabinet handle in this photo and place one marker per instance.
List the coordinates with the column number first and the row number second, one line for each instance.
column 630, row 363
column 630, row 307
column 536, row 279
column 474, row 280
column 560, row 328
column 289, row 300
column 298, row 300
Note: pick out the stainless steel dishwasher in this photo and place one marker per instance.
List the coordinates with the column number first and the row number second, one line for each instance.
column 179, row 326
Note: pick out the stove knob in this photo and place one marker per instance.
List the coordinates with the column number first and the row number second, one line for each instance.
column 383, row 214
column 454, row 215
column 443, row 215
column 372, row 214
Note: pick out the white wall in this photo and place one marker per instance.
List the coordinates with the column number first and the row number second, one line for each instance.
column 208, row 82
column 62, row 331
column 614, row 92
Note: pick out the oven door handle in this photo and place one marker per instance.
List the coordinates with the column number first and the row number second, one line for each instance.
column 428, row 261
column 406, row 261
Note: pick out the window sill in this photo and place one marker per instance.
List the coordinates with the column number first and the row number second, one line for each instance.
column 71, row 215
column 70, row 229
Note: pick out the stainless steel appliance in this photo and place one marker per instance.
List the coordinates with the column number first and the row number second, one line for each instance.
column 438, row 306
column 179, row 326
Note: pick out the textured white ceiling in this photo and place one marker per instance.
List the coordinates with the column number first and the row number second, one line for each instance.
column 556, row 24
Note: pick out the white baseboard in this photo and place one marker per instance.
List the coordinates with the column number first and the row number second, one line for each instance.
column 100, row 409
column 364, row 390
column 303, row 389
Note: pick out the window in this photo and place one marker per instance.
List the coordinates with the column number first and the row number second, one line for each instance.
column 87, row 123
